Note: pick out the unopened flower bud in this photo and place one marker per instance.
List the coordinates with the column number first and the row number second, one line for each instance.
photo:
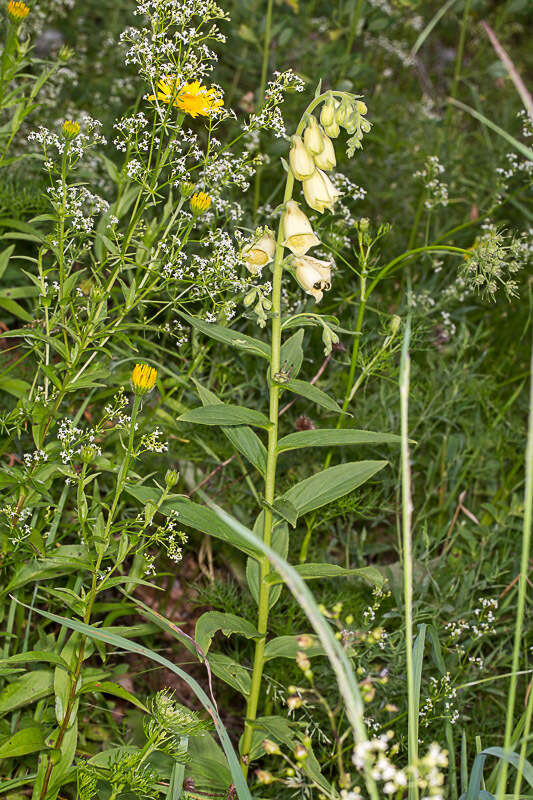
column 332, row 130
column 289, row 772
column 294, row 702
column 302, row 661
column 297, row 230
column 171, row 478
column 344, row 110
column 364, row 224
column 87, row 453
column 300, row 752
column 360, row 107
column 326, row 159
column 263, row 776
column 305, row 641
column 313, row 138
column 319, row 192
column 65, row 53
column 395, row 323
column 186, row 189
column 271, row 747
column 327, row 114
column 300, row 159
column 250, row 298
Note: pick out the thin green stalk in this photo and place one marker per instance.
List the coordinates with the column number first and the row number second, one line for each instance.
column 521, row 604
column 407, row 559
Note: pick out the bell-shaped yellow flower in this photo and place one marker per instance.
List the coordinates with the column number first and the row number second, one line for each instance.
column 313, row 138
column 319, row 192
column 260, row 252
column 313, row 275
column 297, row 230
column 300, row 159
column 326, row 159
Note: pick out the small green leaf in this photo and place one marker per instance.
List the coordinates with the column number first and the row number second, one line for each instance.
column 333, row 438
column 36, row 655
column 286, row 510
column 28, row 689
column 212, row 621
column 222, row 414
column 292, row 354
column 314, row 394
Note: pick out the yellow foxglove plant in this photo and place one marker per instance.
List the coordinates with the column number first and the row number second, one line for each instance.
column 284, row 357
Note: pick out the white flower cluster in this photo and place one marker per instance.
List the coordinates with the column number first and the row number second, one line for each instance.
column 269, row 115
column 436, row 190
column 151, row 443
column 78, row 205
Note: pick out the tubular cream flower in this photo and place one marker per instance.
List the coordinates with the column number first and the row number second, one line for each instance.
column 326, row 159
column 300, row 159
column 70, row 129
column 332, row 130
column 313, row 136
column 313, row 275
column 297, row 230
column 17, row 10
column 143, row 379
column 193, row 98
column 319, row 192
column 200, row 203
column 260, row 252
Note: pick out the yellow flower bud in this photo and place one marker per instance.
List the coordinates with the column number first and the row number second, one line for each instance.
column 326, row 159
column 300, row 159
column 270, row 747
column 313, row 275
column 332, row 130
column 313, row 139
column 319, row 192
column 70, row 129
column 186, row 189
column 297, row 230
column 294, row 702
column 143, row 379
column 17, row 10
column 300, row 752
column 263, row 776
column 260, row 252
column 200, row 203
column 360, row 107
column 327, row 114
column 305, row 641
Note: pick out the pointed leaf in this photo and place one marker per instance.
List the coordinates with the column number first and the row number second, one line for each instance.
column 330, row 484
column 222, row 414
column 229, row 337
column 333, row 438
column 313, row 393
column 310, row 572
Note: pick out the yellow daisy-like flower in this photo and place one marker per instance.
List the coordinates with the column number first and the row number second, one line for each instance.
column 70, row 129
column 193, row 98
column 200, row 202
column 143, row 378
column 17, row 10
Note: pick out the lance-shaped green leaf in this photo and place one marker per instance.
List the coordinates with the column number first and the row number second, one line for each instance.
column 310, row 572
column 330, row 484
column 229, row 337
column 36, row 655
column 222, row 414
column 242, row 437
column 289, row 646
column 28, row 689
column 312, row 393
column 212, row 621
column 334, row 438
column 292, row 354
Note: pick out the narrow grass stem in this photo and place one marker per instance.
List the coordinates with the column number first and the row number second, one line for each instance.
column 521, row 604
column 407, row 559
